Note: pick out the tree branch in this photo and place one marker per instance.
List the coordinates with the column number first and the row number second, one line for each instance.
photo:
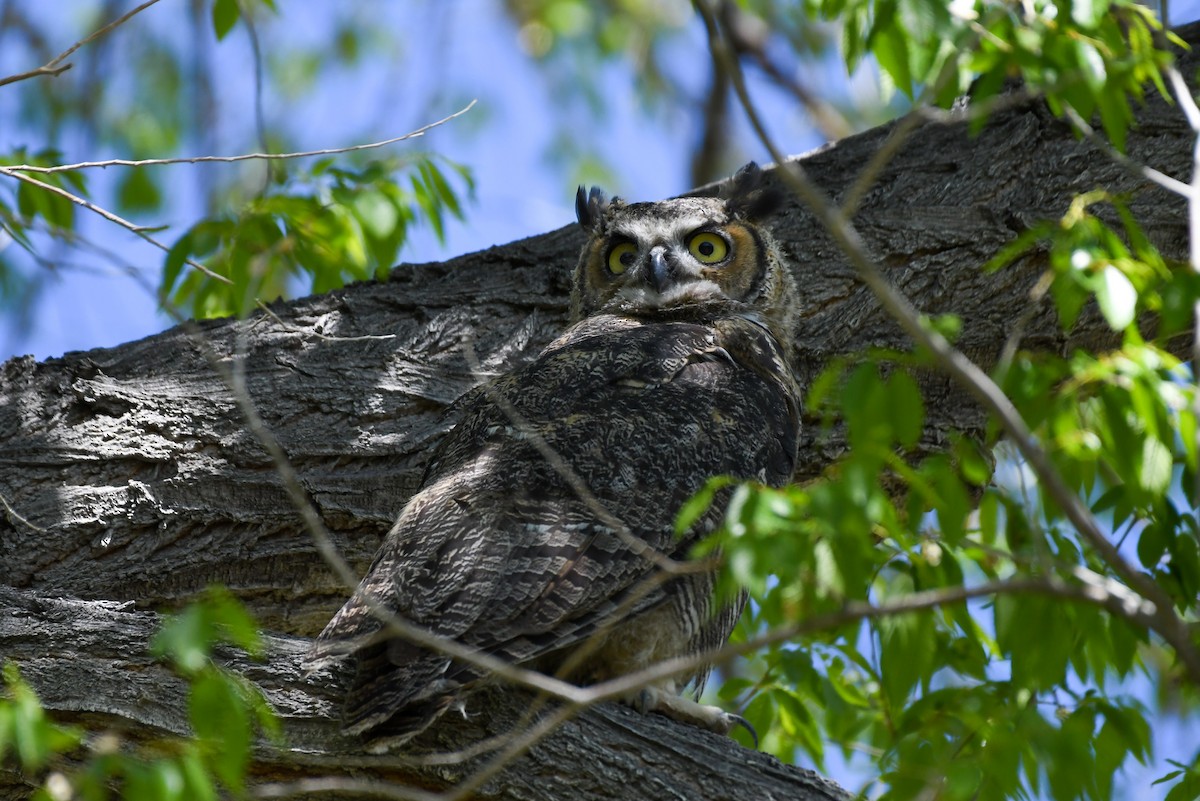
column 84, row 165
column 139, row 230
column 106, row 681
column 55, row 66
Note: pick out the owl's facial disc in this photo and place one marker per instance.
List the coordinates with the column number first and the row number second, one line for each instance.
column 675, row 270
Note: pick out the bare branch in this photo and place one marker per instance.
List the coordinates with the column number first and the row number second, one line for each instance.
column 16, row 171
column 139, row 230
column 55, row 65
column 366, row 788
column 83, row 165
column 1096, row 590
column 14, row 515
column 829, row 121
column 1135, row 168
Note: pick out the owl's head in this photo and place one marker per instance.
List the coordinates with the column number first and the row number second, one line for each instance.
column 642, row 258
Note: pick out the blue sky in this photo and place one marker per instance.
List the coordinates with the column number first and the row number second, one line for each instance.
column 505, row 140
column 521, row 191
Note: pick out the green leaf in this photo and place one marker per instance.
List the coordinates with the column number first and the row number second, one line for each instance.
column 1086, row 13
column 1187, row 789
column 162, row 780
column 378, row 214
column 7, row 730
column 865, row 405
column 890, row 45
column 225, row 15
column 1117, row 298
column 29, row 729
column 220, row 719
column 197, row 782
column 907, row 408
column 798, row 723
column 760, row 713
column 1091, row 63
column 1154, row 474
column 908, row 646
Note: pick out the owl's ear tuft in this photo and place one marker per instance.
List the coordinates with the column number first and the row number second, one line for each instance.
column 747, row 195
column 590, row 205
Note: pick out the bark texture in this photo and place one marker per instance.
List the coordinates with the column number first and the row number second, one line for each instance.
column 131, row 481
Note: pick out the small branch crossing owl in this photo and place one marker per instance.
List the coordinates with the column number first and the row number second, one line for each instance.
column 675, row 369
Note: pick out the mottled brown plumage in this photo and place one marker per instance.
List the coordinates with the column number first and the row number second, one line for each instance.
column 674, row 371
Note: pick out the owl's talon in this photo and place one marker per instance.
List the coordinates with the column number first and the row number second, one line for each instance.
column 738, row 720
column 665, row 702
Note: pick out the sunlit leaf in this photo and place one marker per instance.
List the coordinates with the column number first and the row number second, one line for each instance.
column 1117, row 298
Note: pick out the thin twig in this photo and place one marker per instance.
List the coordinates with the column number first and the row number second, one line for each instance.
column 829, row 121
column 1133, row 167
column 963, row 370
column 17, row 171
column 52, row 67
column 324, row 785
column 1012, row 342
column 260, row 122
column 139, row 230
column 1097, row 591
column 14, row 515
column 83, row 165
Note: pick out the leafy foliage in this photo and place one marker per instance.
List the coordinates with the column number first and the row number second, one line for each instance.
column 1092, row 56
column 877, row 567
column 332, row 223
column 956, row 626
column 26, row 734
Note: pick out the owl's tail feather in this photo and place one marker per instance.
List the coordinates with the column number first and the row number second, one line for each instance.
column 408, row 723
column 391, row 703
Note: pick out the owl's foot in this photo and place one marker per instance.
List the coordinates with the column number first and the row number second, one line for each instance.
column 684, row 710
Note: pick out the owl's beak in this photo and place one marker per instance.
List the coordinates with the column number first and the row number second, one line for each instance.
column 660, row 273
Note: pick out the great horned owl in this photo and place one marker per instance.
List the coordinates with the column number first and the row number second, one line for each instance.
column 542, row 518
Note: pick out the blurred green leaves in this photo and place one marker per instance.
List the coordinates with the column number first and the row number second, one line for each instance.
column 224, row 709
column 28, row 205
column 330, row 225
column 26, row 734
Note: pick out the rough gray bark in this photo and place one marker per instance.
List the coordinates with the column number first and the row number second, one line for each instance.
column 106, row 680
column 136, row 481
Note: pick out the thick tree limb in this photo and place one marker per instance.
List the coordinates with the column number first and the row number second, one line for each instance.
column 127, row 475
column 99, row 674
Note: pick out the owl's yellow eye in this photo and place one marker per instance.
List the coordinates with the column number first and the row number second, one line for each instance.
column 708, row 248
column 621, row 257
